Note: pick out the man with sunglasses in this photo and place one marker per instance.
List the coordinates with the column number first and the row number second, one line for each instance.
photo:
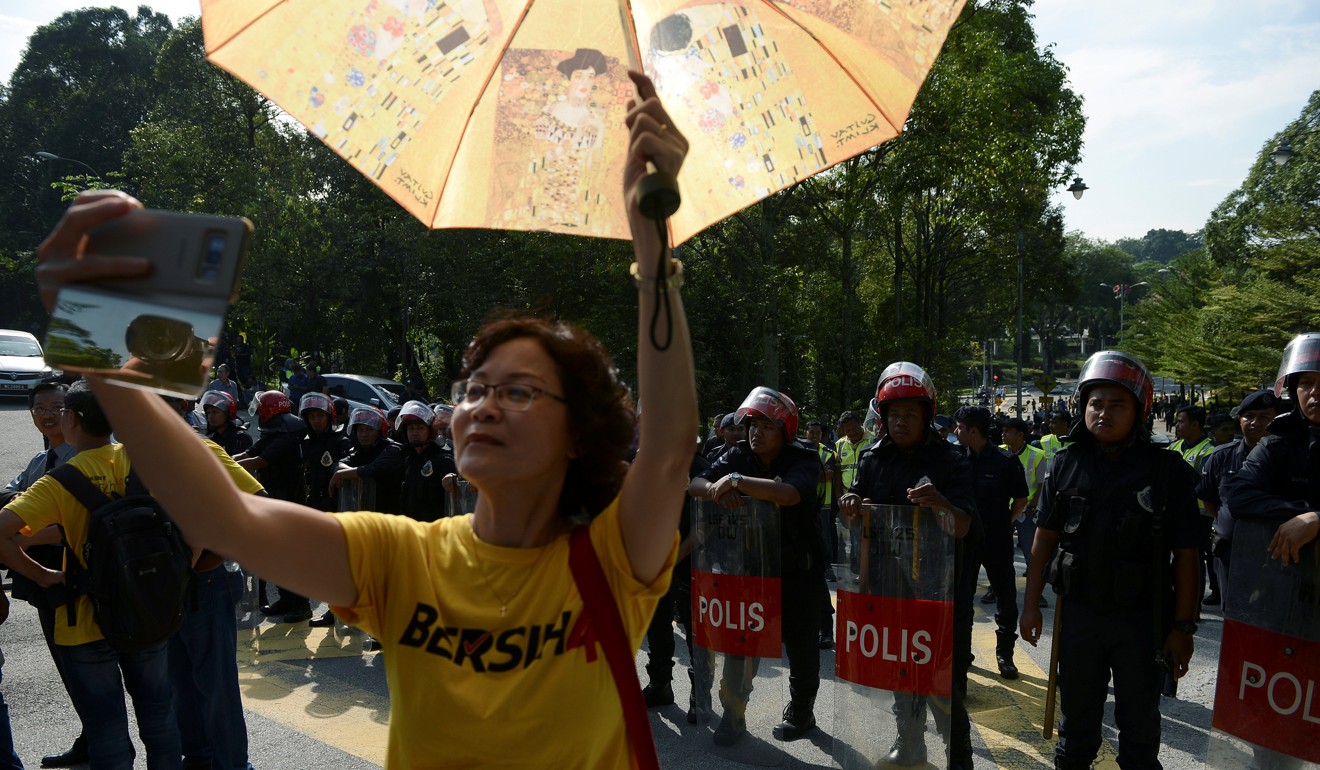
column 45, row 402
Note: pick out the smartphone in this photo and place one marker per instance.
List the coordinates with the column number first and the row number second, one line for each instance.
column 157, row 331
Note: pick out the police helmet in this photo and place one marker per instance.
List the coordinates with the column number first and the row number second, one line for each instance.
column 773, row 406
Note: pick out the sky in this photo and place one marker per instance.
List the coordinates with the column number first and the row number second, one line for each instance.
column 1180, row 97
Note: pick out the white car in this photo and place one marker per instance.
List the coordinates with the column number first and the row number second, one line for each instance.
column 21, row 363
column 365, row 390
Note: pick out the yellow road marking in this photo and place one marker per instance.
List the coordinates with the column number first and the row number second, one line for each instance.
column 322, row 707
column 1010, row 714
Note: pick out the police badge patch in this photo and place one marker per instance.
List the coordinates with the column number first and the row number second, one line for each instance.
column 1146, row 500
column 427, row 470
column 327, row 460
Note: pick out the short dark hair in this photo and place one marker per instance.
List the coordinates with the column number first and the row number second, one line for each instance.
column 80, row 400
column 974, row 417
column 816, row 424
column 1018, row 424
column 50, row 383
column 846, row 418
column 1194, row 413
column 601, row 413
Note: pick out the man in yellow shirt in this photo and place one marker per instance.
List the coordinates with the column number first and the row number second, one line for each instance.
column 92, row 667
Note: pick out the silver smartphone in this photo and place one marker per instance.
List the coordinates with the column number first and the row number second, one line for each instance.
column 157, row 331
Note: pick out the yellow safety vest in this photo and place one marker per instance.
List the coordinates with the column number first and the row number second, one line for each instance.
column 1194, row 455
column 849, row 455
column 825, row 487
column 1050, row 444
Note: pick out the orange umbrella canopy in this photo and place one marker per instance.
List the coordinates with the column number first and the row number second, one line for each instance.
column 509, row 113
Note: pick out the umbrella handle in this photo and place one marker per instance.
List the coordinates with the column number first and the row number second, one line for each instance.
column 657, row 194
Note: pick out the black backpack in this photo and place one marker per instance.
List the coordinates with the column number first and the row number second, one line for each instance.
column 139, row 573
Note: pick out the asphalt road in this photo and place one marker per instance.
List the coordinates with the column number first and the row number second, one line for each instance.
column 314, row 698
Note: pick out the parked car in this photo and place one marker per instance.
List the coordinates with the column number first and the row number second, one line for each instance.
column 22, row 364
column 365, row 390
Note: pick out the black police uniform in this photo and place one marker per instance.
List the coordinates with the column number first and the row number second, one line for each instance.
column 885, row 473
column 233, row 439
column 802, row 556
column 382, row 462
column 1104, row 503
column 1279, row 479
column 998, row 479
column 321, row 453
column 279, row 445
column 1281, row 476
column 675, row 604
column 421, row 495
column 1222, row 465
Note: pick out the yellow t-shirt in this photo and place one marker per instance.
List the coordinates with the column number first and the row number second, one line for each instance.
column 47, row 502
column 470, row 687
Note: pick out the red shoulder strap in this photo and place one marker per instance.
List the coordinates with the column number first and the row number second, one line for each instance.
column 604, row 617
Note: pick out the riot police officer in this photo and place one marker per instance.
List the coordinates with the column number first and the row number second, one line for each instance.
column 275, row 458
column 1278, row 489
column 910, row 465
column 769, row 465
column 1114, row 512
column 374, row 457
column 1278, row 480
column 222, row 423
column 425, row 464
column 323, row 446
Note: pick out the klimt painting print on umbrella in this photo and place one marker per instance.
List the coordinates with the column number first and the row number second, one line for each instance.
column 509, row 113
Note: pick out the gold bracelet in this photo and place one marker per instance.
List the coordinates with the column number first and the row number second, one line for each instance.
column 672, row 281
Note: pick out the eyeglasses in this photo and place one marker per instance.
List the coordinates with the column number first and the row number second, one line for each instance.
column 46, row 411
column 514, row 396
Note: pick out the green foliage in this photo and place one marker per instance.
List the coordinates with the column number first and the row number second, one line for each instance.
column 1160, row 245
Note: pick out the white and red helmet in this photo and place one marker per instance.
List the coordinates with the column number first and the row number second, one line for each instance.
column 414, row 411
column 902, row 381
column 272, row 403
column 773, row 406
column 370, row 416
column 1301, row 355
column 1114, row 367
column 316, row 401
column 218, row 399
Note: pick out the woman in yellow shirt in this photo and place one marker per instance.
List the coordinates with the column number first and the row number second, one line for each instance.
column 488, row 659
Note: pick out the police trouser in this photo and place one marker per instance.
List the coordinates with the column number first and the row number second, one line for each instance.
column 996, row 555
column 677, row 601
column 1093, row 643
column 950, row 714
column 800, row 592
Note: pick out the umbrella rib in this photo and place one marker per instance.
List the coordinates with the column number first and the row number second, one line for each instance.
column 244, row 28
column 898, row 128
column 481, row 93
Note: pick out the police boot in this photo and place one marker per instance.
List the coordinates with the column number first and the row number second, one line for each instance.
column 909, row 749
column 731, row 729
column 799, row 719
column 1004, row 643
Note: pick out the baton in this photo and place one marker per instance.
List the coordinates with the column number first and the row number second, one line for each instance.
column 1048, row 729
column 864, row 562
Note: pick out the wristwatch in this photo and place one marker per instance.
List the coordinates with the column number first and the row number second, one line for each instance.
column 1185, row 627
column 734, row 479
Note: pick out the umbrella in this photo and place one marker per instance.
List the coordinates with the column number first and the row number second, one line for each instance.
column 509, row 113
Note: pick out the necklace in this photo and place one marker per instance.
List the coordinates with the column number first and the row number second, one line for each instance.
column 504, row 603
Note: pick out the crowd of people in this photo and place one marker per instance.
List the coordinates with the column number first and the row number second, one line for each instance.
column 488, row 626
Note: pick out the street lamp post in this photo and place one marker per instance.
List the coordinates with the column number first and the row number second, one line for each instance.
column 1121, row 291
column 52, row 156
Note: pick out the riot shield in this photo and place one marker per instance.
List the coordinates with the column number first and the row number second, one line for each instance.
column 737, row 622
column 894, row 640
column 1267, row 698
column 357, row 495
